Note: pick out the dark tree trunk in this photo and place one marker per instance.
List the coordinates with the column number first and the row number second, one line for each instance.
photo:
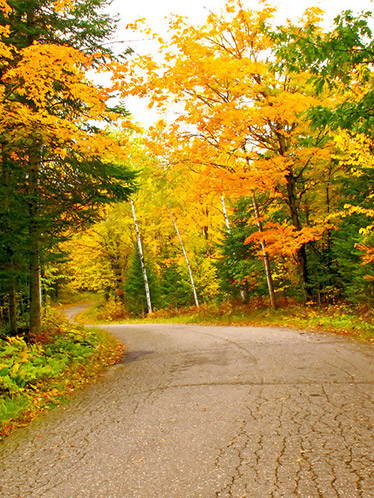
column 13, row 305
column 6, row 206
column 34, row 234
column 301, row 255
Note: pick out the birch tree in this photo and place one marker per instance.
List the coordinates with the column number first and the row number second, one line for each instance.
column 141, row 255
column 236, row 116
column 185, row 257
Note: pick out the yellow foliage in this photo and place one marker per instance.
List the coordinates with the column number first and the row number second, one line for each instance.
column 5, row 7
column 45, row 76
column 354, row 150
column 239, row 128
column 63, row 5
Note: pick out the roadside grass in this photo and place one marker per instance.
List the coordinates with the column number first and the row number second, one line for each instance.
column 341, row 319
column 40, row 373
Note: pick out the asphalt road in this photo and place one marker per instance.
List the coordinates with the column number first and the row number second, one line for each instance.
column 208, row 412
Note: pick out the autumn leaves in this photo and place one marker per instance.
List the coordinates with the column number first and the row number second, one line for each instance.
column 57, row 166
column 238, row 122
column 244, row 119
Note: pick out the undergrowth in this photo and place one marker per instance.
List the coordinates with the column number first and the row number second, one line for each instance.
column 41, row 372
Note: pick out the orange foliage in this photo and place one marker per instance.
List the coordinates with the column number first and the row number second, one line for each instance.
column 45, row 76
column 236, row 123
column 367, row 257
column 5, row 7
column 286, row 240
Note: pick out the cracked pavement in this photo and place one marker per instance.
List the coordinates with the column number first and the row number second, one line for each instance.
column 208, row 412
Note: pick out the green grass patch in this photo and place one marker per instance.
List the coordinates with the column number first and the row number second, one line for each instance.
column 339, row 319
column 41, row 373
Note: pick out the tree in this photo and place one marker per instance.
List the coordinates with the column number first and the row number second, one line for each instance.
column 64, row 166
column 107, row 246
column 341, row 61
column 81, row 24
column 237, row 117
column 239, row 266
column 300, row 194
column 141, row 259
column 186, row 258
column 136, row 298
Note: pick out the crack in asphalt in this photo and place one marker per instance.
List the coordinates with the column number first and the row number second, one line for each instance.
column 255, row 384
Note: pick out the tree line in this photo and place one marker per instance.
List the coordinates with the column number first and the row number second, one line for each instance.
column 261, row 186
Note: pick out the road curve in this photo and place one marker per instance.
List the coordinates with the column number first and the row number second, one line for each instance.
column 208, row 412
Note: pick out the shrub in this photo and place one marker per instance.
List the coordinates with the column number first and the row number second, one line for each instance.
column 112, row 309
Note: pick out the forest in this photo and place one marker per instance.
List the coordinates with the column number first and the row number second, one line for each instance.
column 256, row 184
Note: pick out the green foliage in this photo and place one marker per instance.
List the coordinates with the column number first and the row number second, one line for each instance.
column 23, row 364
column 316, row 245
column 85, row 27
column 175, row 287
column 38, row 373
column 335, row 59
column 239, row 268
column 337, row 319
column 49, row 188
column 335, row 262
column 348, row 272
column 134, row 289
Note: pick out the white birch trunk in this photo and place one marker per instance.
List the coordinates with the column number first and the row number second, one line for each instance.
column 141, row 254
column 227, row 221
column 186, row 258
column 265, row 254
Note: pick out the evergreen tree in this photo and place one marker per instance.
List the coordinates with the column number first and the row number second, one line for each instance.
column 59, row 185
column 134, row 290
column 348, row 271
column 175, row 288
column 85, row 26
column 240, row 268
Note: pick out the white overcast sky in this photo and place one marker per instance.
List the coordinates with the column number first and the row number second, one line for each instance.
column 155, row 11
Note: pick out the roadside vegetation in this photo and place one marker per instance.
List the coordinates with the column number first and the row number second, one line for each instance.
column 356, row 322
column 39, row 373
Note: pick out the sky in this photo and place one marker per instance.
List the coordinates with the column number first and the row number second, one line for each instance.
column 156, row 12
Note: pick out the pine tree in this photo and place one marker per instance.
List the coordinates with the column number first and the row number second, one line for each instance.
column 240, row 267
column 135, row 295
column 58, row 166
